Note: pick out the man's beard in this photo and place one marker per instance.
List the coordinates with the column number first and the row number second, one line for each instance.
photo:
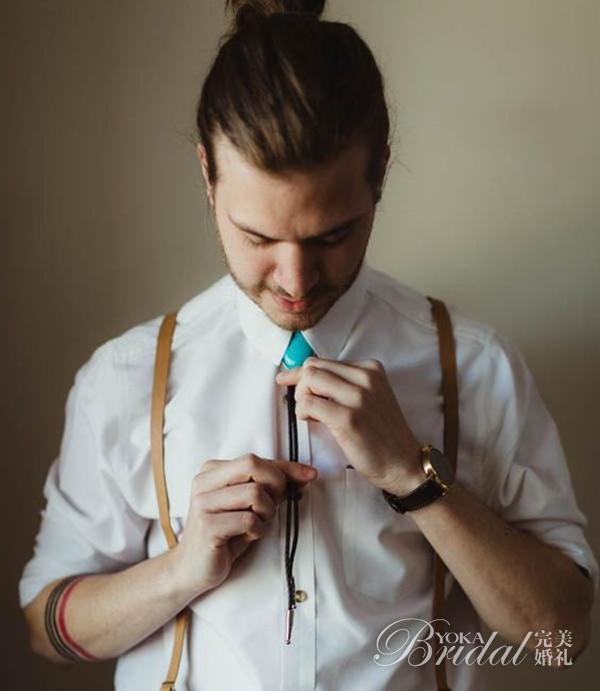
column 329, row 295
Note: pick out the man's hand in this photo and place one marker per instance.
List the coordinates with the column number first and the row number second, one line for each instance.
column 232, row 503
column 355, row 400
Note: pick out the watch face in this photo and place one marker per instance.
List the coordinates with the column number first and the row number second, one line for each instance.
column 441, row 466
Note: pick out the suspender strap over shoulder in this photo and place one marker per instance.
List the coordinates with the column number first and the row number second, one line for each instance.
column 447, row 351
column 157, row 419
column 447, row 354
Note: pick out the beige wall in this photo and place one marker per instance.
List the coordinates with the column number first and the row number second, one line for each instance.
column 492, row 204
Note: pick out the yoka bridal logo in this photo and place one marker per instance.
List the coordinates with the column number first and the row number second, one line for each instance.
column 416, row 640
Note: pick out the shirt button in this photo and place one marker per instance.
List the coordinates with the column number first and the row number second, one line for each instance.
column 300, row 596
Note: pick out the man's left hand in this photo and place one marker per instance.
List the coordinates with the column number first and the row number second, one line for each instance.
column 355, row 400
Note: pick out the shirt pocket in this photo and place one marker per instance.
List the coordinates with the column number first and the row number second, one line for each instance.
column 385, row 555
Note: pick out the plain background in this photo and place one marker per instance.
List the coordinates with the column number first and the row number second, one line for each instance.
column 492, row 204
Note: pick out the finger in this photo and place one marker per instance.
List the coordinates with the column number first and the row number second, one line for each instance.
column 359, row 372
column 217, row 474
column 271, row 474
column 298, row 472
column 231, row 523
column 289, row 377
column 249, row 496
column 324, row 383
column 320, row 409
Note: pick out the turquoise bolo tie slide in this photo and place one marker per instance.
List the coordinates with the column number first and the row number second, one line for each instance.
column 297, row 351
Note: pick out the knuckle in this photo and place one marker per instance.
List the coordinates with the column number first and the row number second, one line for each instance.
column 371, row 378
column 211, row 464
column 198, row 502
column 365, row 378
column 251, row 461
column 351, row 416
column 206, row 467
column 197, row 483
column 362, row 396
column 304, row 400
column 250, row 521
column 254, row 491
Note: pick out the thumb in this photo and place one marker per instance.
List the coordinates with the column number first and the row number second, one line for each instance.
column 299, row 472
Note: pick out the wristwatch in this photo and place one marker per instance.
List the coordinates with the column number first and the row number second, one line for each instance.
column 440, row 475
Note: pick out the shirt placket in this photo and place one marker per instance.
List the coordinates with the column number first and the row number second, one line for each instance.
column 299, row 657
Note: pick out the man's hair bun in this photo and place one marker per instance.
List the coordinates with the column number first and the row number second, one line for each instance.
column 247, row 12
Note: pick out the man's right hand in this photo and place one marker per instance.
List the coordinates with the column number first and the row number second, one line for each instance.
column 231, row 504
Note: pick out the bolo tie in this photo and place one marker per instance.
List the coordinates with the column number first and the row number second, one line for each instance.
column 296, row 353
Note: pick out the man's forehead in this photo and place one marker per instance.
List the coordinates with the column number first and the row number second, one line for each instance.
column 304, row 233
column 309, row 202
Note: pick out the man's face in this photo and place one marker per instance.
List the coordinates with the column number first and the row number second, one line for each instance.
column 294, row 241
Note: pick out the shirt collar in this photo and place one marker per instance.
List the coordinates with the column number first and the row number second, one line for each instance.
column 327, row 337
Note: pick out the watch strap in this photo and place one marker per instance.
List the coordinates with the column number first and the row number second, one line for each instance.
column 424, row 494
column 428, row 491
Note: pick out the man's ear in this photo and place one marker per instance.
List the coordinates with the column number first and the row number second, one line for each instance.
column 202, row 158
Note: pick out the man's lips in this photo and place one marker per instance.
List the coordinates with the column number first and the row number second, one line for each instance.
column 291, row 305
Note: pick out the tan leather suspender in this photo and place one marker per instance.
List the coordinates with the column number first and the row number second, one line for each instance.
column 157, row 419
column 159, row 395
column 447, row 353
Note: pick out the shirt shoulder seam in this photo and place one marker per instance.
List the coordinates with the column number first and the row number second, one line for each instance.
column 483, row 339
column 184, row 331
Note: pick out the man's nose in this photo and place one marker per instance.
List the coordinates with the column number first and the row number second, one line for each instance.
column 296, row 271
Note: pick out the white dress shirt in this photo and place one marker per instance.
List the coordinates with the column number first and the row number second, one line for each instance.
column 362, row 565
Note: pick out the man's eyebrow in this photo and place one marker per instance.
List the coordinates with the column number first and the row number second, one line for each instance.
column 331, row 231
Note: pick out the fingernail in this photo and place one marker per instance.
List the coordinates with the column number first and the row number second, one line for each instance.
column 309, row 471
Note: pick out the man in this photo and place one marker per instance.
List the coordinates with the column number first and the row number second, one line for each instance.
column 293, row 128
column 508, row 527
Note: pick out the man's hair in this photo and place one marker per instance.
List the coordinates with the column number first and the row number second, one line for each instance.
column 291, row 91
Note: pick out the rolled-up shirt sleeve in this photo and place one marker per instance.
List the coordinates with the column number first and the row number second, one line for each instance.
column 86, row 525
column 526, row 475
